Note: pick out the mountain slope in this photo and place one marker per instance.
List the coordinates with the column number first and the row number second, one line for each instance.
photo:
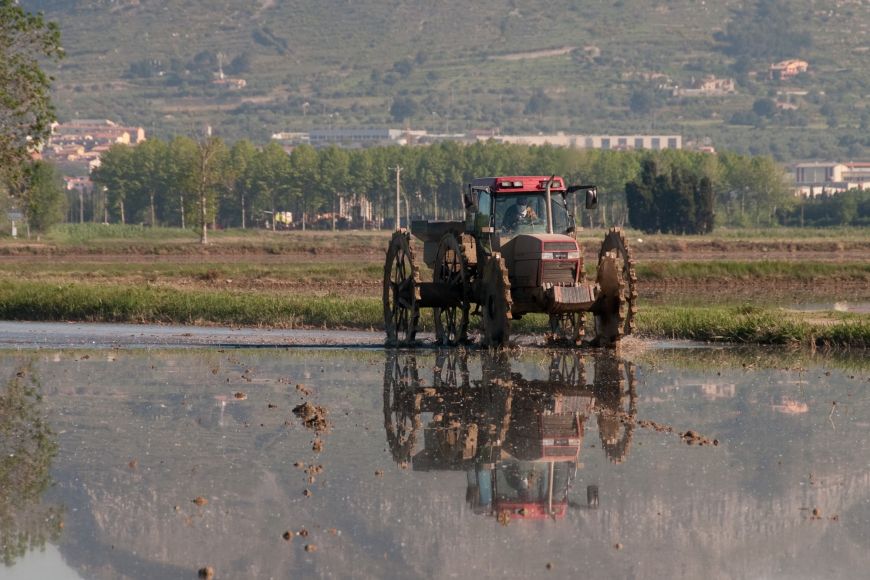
column 540, row 65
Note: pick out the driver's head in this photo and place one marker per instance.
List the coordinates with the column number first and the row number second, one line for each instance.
column 521, row 201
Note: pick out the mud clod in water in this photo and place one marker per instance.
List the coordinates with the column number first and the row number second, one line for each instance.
column 206, row 572
column 310, row 548
column 313, row 471
column 313, row 416
column 288, row 535
column 695, row 438
column 200, row 501
column 303, row 389
column 240, row 396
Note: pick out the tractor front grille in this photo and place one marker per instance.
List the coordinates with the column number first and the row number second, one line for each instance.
column 558, row 272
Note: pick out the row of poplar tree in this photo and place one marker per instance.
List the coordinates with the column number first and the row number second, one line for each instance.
column 160, row 182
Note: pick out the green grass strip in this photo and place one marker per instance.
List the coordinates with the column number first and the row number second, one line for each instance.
column 22, row 300
column 99, row 303
column 749, row 270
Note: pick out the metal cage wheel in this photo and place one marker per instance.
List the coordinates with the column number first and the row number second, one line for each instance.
column 401, row 404
column 451, row 267
column 615, row 388
column 614, row 244
column 497, row 303
column 401, row 291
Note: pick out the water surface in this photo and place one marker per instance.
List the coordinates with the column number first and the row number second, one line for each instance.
column 434, row 464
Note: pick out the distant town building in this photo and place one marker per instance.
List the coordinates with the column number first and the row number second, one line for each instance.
column 80, row 143
column 356, row 208
column 812, row 179
column 350, row 137
column 76, row 146
column 787, row 69
column 230, row 83
column 373, row 137
column 709, row 86
column 616, row 142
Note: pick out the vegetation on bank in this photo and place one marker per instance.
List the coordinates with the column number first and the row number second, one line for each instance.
column 143, row 304
column 140, row 239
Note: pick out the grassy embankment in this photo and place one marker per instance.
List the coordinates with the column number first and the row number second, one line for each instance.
column 226, row 288
column 109, row 303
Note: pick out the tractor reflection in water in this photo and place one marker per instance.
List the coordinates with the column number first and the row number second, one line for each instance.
column 518, row 440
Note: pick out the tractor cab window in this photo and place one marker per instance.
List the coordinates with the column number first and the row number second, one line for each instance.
column 520, row 214
column 484, row 210
column 529, row 481
column 526, row 214
column 560, row 213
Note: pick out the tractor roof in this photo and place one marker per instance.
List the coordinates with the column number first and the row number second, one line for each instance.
column 519, row 183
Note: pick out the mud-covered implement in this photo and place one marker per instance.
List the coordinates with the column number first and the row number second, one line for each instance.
column 515, row 253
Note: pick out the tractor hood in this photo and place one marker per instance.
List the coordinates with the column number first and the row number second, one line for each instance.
column 531, row 246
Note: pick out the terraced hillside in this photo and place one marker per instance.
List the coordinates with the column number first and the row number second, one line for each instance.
column 541, row 65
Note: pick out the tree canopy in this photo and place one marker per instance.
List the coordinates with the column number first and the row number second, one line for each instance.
column 766, row 29
column 26, row 112
column 163, row 183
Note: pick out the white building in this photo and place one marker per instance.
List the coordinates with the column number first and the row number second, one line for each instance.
column 812, row 179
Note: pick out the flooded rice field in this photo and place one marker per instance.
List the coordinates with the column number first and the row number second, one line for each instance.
column 359, row 462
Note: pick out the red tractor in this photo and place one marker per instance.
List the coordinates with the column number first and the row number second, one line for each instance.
column 515, row 253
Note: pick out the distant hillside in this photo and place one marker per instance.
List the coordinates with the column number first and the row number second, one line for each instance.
column 538, row 65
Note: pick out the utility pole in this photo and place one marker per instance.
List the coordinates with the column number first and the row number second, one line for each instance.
column 398, row 198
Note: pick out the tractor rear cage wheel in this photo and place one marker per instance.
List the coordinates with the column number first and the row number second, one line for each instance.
column 452, row 267
column 401, row 291
column 610, row 309
column 401, row 411
column 497, row 302
column 614, row 241
column 615, row 388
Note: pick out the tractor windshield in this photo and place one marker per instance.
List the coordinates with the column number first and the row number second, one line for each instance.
column 525, row 213
column 528, row 481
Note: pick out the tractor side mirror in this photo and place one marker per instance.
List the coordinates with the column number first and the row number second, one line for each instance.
column 591, row 194
column 592, row 198
column 470, row 199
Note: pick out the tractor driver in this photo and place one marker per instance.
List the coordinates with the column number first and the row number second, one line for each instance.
column 518, row 213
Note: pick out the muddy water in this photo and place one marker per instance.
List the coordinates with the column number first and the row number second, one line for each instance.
column 156, row 463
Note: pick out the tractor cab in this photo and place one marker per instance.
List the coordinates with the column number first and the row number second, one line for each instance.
column 504, row 207
column 521, row 489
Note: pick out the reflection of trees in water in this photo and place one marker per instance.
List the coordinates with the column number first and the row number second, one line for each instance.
column 27, row 448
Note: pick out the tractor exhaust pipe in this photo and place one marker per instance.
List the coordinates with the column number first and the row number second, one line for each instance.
column 549, row 206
